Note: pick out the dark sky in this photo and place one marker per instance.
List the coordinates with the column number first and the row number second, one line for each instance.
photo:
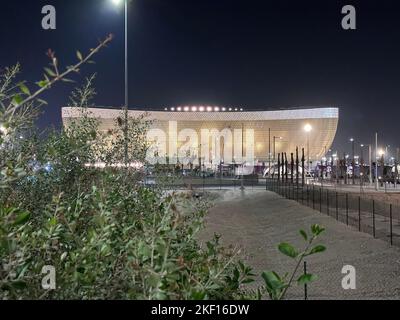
column 253, row 54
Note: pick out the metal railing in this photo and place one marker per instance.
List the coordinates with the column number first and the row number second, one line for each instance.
column 380, row 219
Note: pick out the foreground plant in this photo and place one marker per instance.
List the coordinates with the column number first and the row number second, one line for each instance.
column 106, row 234
column 277, row 285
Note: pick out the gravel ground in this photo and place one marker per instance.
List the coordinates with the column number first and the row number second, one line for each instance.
column 258, row 220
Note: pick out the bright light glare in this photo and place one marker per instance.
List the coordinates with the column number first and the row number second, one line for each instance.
column 307, row 127
column 116, row 2
column 381, row 152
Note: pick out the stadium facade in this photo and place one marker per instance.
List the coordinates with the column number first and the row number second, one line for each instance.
column 211, row 135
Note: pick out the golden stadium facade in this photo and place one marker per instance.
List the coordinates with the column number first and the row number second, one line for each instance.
column 214, row 134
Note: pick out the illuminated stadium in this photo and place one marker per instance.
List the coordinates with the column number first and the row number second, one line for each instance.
column 211, row 135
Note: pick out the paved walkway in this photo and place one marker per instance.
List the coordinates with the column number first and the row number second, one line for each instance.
column 258, row 220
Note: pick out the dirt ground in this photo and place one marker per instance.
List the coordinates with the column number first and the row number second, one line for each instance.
column 257, row 221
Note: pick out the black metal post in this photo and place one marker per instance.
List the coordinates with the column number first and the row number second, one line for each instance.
column 313, row 196
column 347, row 209
column 305, row 285
column 297, row 166
column 320, row 199
column 303, row 167
column 373, row 218
column 391, row 224
column 327, row 202
column 359, row 213
column 337, row 207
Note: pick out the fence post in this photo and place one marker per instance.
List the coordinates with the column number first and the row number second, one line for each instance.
column 327, row 202
column 305, row 285
column 337, row 207
column 359, row 213
column 373, row 218
column 313, row 197
column 391, row 224
column 320, row 199
column 347, row 209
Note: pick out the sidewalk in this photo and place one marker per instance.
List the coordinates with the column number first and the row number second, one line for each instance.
column 257, row 221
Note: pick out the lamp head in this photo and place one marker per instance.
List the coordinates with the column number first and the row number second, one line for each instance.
column 307, row 127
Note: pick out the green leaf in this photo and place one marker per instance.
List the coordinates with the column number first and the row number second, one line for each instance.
column 306, row 278
column 42, row 101
column 288, row 250
column 273, row 284
column 50, row 72
column 304, row 234
column 317, row 229
column 19, row 285
column 22, row 218
column 79, row 55
column 316, row 249
column 24, row 89
column 42, row 83
column 67, row 80
column 272, row 280
column 17, row 100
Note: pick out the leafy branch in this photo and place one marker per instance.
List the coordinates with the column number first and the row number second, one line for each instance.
column 54, row 75
column 276, row 285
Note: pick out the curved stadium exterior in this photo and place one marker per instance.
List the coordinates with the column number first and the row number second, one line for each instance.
column 214, row 134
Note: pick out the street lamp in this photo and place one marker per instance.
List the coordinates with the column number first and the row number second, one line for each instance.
column 307, row 129
column 126, row 102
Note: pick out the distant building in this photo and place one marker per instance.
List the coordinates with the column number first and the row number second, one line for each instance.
column 211, row 135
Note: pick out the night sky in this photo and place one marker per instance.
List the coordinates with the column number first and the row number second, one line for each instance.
column 247, row 53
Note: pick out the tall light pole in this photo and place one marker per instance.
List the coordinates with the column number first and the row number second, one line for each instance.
column 269, row 152
column 376, row 162
column 307, row 129
column 126, row 100
column 242, row 182
column 353, row 163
